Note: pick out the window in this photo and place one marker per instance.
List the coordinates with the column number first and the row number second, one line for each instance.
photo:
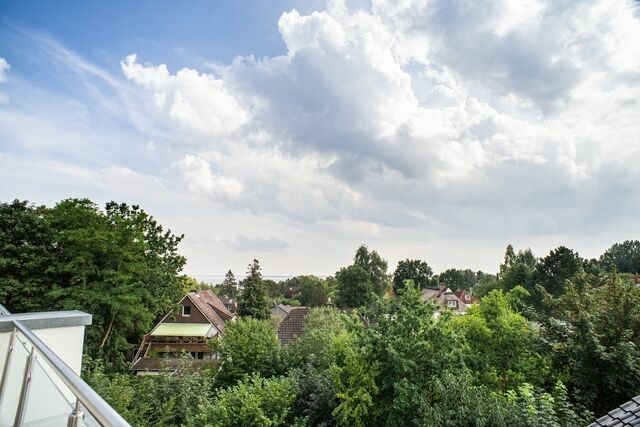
column 186, row 311
column 467, row 297
column 452, row 303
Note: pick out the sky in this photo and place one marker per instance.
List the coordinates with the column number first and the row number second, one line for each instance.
column 295, row 131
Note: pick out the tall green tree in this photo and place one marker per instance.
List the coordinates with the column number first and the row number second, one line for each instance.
column 250, row 346
column 412, row 269
column 624, row 256
column 253, row 300
column 354, row 288
column 376, row 268
column 229, row 286
column 459, row 279
column 119, row 265
column 314, row 291
column 555, row 269
column 27, row 251
column 503, row 348
column 594, row 337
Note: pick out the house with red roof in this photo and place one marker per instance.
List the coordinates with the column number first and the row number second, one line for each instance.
column 457, row 301
column 191, row 328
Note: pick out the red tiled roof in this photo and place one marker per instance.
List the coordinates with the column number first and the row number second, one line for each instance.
column 212, row 308
column 460, row 293
column 293, row 325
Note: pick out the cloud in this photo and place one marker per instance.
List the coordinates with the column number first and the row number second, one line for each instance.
column 414, row 120
column 257, row 243
column 4, row 67
column 197, row 101
column 197, row 177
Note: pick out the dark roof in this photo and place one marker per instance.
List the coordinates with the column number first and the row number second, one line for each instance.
column 293, row 325
column 628, row 414
column 212, row 308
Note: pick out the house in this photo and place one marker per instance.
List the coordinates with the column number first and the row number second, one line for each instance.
column 200, row 318
column 627, row 414
column 466, row 297
column 281, row 310
column 446, row 299
column 230, row 303
column 293, row 325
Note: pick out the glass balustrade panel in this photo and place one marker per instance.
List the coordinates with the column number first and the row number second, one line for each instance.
column 13, row 382
column 46, row 404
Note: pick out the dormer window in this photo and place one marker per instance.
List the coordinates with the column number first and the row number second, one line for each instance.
column 467, row 297
column 186, row 311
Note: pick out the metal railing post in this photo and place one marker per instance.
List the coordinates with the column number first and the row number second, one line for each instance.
column 76, row 416
column 104, row 414
column 24, row 393
column 7, row 361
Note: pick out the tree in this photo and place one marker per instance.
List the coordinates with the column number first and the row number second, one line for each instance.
column 253, row 402
column 120, row 265
column 624, row 256
column 412, row 269
column 354, row 287
column 250, row 346
column 376, row 268
column 458, row 279
column 517, row 270
column 229, row 286
column 555, row 269
column 487, row 284
column 253, row 300
column 314, row 291
column 501, row 343
column 26, row 253
column 597, row 330
column 404, row 349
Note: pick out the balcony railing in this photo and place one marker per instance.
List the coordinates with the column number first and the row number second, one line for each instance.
column 38, row 388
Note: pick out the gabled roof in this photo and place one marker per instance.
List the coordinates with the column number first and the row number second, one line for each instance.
column 293, row 325
column 627, row 414
column 212, row 308
column 281, row 310
column 460, row 293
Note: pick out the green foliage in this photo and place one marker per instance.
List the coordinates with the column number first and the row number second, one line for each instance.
column 406, row 346
column 488, row 283
column 26, row 253
column 119, row 265
column 354, row 287
column 597, row 330
column 254, row 301
column 556, row 268
column 375, row 267
column 624, row 256
column 316, row 345
column 254, row 401
column 229, row 286
column 459, row 279
column 412, row 269
column 155, row 400
column 314, row 291
column 354, row 379
column 249, row 346
column 500, row 343
column 517, row 270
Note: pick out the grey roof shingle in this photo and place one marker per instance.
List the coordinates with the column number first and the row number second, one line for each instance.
column 293, row 325
column 628, row 414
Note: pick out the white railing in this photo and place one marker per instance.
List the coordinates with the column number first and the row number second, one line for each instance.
column 37, row 388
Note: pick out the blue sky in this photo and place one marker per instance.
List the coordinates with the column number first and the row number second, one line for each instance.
column 295, row 131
